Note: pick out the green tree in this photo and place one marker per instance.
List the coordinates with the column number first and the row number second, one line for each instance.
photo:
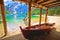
column 58, row 11
column 51, row 12
column 36, row 11
column 7, row 12
column 54, row 11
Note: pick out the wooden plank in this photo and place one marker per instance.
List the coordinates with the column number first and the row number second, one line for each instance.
column 53, row 4
column 42, row 1
column 40, row 15
column 25, row 1
column 37, row 5
column 47, row 3
column 3, row 17
column 29, row 15
column 35, row 0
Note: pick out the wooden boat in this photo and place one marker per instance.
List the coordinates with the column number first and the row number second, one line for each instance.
column 37, row 30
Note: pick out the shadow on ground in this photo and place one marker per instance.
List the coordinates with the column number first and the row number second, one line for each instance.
column 54, row 35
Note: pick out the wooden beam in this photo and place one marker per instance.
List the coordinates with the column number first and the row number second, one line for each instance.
column 29, row 15
column 25, row 1
column 40, row 15
column 53, row 5
column 39, row 1
column 37, row 5
column 49, row 1
column 3, row 17
column 34, row 4
column 46, row 15
column 42, row 1
column 46, row 3
column 35, row 1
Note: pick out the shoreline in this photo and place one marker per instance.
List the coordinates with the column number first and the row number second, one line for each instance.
column 13, row 28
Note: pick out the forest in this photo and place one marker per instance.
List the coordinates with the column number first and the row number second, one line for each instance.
column 55, row 11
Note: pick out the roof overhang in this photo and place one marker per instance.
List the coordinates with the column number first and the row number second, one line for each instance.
column 43, row 3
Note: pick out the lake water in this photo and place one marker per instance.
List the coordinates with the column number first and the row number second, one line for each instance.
column 14, row 23
column 15, row 13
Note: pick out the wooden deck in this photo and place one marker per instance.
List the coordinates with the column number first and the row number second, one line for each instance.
column 54, row 35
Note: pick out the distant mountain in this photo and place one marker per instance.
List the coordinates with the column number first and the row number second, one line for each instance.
column 7, row 2
column 16, row 8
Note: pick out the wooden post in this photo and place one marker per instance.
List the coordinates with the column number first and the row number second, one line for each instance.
column 29, row 14
column 46, row 15
column 40, row 15
column 3, row 17
column 19, row 0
